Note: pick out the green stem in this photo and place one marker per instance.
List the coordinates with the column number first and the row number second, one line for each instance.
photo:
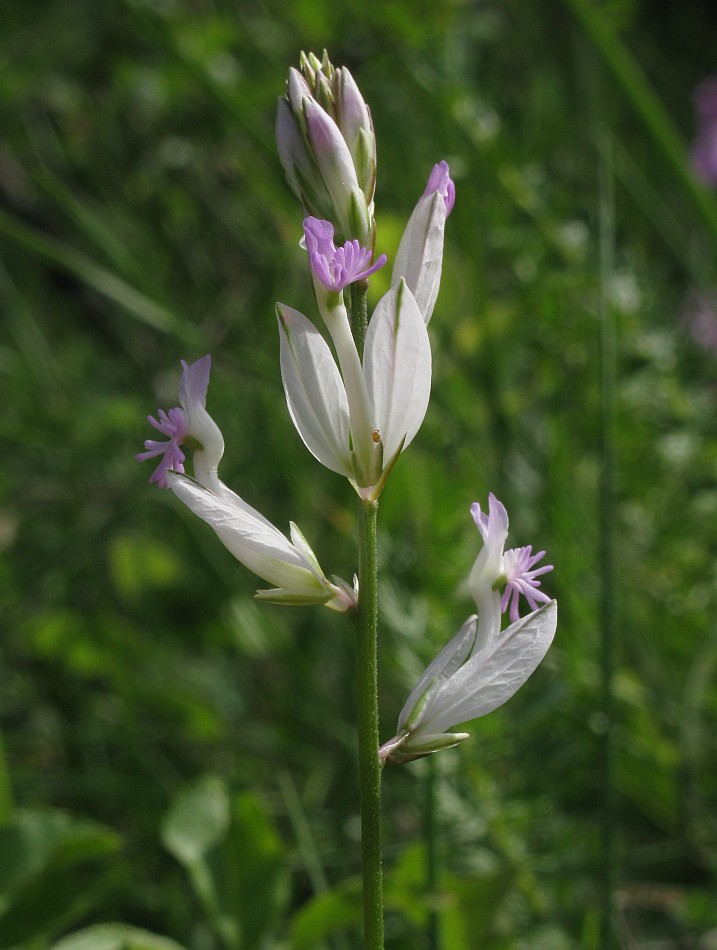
column 366, row 617
column 358, row 308
column 432, row 869
column 369, row 765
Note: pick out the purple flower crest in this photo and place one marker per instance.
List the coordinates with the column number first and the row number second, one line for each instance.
column 521, row 578
column 173, row 424
column 176, row 423
column 334, row 267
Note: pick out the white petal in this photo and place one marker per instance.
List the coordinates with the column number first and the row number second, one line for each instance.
column 448, row 661
column 315, row 393
column 397, row 368
column 200, row 425
column 488, row 567
column 247, row 535
column 494, row 674
column 489, row 617
column 419, row 259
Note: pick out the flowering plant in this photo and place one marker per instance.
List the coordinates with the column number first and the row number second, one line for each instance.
column 357, row 411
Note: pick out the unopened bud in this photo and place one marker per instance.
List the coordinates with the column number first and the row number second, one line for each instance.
column 327, row 148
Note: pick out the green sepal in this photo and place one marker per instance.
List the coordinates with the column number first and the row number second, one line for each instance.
column 408, row 751
column 278, row 595
column 364, row 162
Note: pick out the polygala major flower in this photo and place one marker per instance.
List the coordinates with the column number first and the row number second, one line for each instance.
column 419, row 259
column 482, row 667
column 290, row 564
column 463, row 683
column 334, row 267
column 327, row 147
column 495, row 568
column 357, row 420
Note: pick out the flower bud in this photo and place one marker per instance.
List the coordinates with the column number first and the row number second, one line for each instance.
column 419, row 259
column 327, row 147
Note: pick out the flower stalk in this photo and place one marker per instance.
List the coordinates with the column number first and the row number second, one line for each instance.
column 366, row 626
column 366, row 617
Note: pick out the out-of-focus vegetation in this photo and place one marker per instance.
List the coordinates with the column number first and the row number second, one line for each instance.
column 181, row 759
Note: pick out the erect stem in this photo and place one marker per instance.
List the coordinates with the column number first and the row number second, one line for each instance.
column 369, row 765
column 432, row 870
column 366, row 617
column 358, row 308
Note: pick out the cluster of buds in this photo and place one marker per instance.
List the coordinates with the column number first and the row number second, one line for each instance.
column 327, row 147
column 358, row 410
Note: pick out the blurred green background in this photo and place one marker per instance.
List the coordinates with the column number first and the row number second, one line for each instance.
column 181, row 760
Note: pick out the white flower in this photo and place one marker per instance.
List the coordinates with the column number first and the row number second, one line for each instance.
column 463, row 684
column 356, row 421
column 290, row 564
column 481, row 668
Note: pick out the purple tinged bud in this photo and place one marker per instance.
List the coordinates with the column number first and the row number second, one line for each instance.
column 440, row 181
column 354, row 121
column 327, row 148
column 297, row 90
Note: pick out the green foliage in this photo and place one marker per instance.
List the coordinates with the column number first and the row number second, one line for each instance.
column 234, row 859
column 115, row 937
column 48, row 873
column 144, row 220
